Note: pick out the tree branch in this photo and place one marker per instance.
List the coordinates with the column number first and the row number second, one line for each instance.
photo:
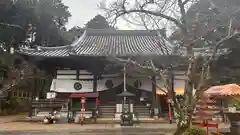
column 175, row 21
column 144, row 23
column 152, row 82
column 182, row 11
column 11, row 25
column 185, row 2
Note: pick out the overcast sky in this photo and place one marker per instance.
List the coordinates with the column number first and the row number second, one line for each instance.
column 84, row 10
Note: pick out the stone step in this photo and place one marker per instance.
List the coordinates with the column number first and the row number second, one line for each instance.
column 107, row 106
column 107, row 111
column 141, row 110
column 141, row 107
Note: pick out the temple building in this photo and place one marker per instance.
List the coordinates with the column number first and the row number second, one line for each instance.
column 86, row 68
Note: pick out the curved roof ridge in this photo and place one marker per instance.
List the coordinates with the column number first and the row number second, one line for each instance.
column 109, row 29
column 76, row 42
column 102, row 32
column 160, row 36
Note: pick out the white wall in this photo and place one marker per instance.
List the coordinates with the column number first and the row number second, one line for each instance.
column 66, row 86
column 64, row 82
column 72, row 74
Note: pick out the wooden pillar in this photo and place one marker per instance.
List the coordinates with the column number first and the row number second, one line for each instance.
column 77, row 74
column 0, row 106
column 95, row 83
column 154, row 102
column 95, row 90
column 33, row 95
column 82, row 109
column 172, row 77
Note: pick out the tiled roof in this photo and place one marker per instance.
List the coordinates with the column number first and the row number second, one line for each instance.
column 108, row 42
column 122, row 43
column 61, row 51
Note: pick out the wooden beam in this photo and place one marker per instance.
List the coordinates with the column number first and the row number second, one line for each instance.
column 77, row 74
column 154, row 102
column 95, row 83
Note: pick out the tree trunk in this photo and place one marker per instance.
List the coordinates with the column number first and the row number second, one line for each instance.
column 180, row 129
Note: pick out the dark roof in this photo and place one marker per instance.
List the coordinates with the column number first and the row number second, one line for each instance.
column 108, row 42
column 61, row 51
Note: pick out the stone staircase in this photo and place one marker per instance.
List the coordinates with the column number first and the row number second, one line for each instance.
column 142, row 111
column 107, row 111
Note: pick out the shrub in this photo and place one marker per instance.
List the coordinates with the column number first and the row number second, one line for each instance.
column 194, row 131
column 13, row 106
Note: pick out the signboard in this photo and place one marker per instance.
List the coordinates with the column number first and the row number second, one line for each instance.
column 73, row 86
column 54, row 95
column 51, row 95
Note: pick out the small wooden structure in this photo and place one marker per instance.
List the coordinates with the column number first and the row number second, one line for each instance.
column 229, row 90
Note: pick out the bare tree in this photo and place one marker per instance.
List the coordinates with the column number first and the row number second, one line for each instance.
column 175, row 12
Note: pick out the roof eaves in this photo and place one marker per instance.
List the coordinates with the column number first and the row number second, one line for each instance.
column 168, row 46
column 44, row 56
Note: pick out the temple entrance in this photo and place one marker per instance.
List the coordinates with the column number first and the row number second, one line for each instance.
column 111, row 104
column 142, row 97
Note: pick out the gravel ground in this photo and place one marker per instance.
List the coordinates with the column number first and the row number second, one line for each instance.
column 25, row 128
column 92, row 132
column 7, row 127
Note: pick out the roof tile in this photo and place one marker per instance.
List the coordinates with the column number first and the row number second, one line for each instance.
column 109, row 43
